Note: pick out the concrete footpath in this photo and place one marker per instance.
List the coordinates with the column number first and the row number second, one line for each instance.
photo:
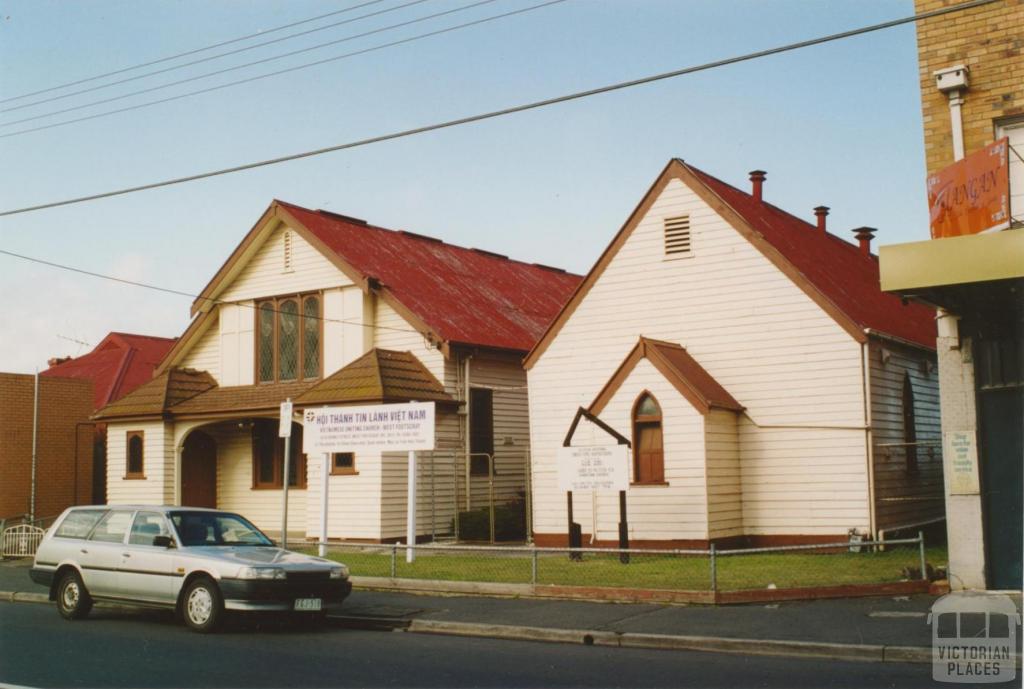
column 887, row 629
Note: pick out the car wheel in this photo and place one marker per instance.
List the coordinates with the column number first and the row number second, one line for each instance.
column 202, row 605
column 73, row 600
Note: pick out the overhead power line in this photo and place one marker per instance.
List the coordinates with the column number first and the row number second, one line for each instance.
column 189, row 52
column 180, row 293
column 506, row 111
column 208, row 58
column 288, row 70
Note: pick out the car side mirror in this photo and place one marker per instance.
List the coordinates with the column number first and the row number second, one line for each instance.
column 163, row 541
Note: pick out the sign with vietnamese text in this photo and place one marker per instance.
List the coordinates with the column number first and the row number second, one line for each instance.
column 376, row 428
column 593, row 467
column 961, row 461
column 972, row 195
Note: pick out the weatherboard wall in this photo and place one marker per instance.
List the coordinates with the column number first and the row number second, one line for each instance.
column 758, row 334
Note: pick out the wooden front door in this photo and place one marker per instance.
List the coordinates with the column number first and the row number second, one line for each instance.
column 199, row 471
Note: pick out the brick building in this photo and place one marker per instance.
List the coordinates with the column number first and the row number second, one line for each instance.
column 972, row 95
column 64, row 445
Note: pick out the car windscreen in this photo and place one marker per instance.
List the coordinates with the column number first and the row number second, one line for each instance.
column 216, row 528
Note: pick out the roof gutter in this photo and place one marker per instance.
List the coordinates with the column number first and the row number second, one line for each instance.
column 870, row 332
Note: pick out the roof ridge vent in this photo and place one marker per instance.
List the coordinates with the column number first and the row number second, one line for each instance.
column 493, row 254
column 339, row 216
column 416, row 235
column 551, row 268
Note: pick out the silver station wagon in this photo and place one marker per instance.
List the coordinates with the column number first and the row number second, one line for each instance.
column 199, row 562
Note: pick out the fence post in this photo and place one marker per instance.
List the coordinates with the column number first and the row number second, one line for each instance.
column 533, row 572
column 924, row 564
column 714, row 570
column 394, row 560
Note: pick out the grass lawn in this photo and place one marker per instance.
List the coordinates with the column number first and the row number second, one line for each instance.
column 735, row 572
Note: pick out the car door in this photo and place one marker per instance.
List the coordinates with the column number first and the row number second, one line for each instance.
column 147, row 570
column 102, row 552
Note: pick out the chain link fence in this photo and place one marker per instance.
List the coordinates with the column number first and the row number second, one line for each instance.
column 824, row 565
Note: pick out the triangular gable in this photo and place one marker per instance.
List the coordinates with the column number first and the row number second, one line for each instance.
column 678, row 170
column 276, row 214
column 679, row 368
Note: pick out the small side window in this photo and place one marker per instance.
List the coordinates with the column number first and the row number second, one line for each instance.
column 78, row 524
column 112, row 527
column 147, row 526
column 135, row 450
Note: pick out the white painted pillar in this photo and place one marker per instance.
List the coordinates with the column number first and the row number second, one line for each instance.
column 956, row 99
column 410, row 519
column 325, row 482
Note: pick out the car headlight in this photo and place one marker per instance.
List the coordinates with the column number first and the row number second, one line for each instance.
column 340, row 572
column 261, row 573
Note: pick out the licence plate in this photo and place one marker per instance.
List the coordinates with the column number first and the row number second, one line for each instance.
column 308, row 604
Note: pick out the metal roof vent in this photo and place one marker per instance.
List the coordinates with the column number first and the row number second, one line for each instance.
column 287, row 252
column 677, row 236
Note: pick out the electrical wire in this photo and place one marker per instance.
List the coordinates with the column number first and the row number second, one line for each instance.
column 506, row 111
column 247, row 80
column 209, row 58
column 180, row 293
column 189, row 52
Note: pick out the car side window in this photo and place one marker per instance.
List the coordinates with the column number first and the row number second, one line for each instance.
column 78, row 524
column 112, row 527
column 146, row 527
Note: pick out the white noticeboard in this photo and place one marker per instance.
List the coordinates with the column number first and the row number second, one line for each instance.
column 593, row 467
column 376, row 428
column 961, row 462
column 284, row 430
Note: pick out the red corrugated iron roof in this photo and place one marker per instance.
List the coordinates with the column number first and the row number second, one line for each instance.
column 839, row 270
column 466, row 296
column 120, row 363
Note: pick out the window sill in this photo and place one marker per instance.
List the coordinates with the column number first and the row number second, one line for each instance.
column 344, row 472
column 278, row 488
column 134, row 477
column 649, row 483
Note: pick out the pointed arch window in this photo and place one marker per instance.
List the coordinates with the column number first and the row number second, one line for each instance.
column 648, row 442
column 909, row 426
column 288, row 336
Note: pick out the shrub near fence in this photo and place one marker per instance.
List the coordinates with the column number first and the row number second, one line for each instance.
column 670, row 570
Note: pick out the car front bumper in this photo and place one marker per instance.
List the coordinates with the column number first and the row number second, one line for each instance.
column 242, row 594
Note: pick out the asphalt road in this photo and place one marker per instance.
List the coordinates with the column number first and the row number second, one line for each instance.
column 125, row 648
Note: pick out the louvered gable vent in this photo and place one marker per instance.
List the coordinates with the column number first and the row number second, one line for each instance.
column 677, row 236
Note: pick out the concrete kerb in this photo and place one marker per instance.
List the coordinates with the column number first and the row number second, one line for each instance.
column 768, row 647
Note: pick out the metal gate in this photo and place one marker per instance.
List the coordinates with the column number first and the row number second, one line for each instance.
column 21, row 540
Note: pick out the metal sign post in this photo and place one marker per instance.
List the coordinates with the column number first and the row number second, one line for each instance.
column 325, row 489
column 410, row 518
column 284, row 430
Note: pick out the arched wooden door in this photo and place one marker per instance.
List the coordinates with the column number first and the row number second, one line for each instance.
column 199, row 471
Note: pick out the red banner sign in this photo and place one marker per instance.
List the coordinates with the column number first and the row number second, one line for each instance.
column 971, row 195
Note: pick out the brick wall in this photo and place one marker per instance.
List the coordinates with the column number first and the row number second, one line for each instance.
column 989, row 40
column 62, row 479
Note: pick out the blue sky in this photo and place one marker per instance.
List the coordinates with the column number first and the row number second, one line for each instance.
column 838, row 124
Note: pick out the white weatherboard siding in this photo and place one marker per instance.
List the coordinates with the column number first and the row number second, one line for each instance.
column 725, row 489
column 237, row 343
column 353, row 510
column 158, row 464
column 266, row 275
column 675, row 511
column 348, row 330
column 751, row 328
column 394, row 332
column 204, row 355
column 234, row 483
column 902, row 497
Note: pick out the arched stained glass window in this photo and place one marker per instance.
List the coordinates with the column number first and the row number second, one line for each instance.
column 266, row 341
column 310, row 337
column 288, row 340
column 648, row 443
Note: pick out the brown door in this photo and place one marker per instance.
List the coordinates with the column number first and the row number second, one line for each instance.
column 199, row 471
column 650, row 458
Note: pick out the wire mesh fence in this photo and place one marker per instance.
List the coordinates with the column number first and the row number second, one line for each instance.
column 831, row 564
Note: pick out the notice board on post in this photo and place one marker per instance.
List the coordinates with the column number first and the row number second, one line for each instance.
column 972, row 195
column 593, row 467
